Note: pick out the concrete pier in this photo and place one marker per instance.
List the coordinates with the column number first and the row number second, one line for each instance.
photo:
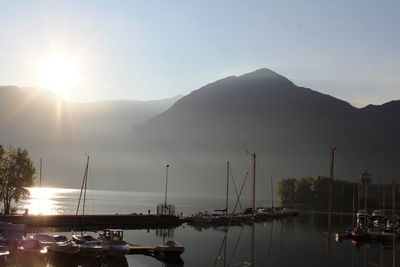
column 134, row 221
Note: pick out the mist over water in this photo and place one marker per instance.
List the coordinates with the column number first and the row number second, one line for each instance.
column 47, row 200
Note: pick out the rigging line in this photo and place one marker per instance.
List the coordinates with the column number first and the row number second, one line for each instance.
column 234, row 185
column 266, row 184
column 340, row 170
column 234, row 210
column 90, row 194
column 235, row 247
column 79, row 201
column 84, row 192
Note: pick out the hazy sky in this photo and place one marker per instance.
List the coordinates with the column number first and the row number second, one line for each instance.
column 156, row 49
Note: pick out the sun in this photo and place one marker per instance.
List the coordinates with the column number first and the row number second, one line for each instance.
column 59, row 73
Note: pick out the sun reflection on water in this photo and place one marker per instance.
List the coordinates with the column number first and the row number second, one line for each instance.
column 46, row 200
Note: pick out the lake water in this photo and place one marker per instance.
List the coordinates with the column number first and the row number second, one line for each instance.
column 298, row 241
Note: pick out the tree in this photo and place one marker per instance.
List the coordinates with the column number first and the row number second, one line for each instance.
column 286, row 191
column 16, row 174
column 304, row 190
column 321, row 190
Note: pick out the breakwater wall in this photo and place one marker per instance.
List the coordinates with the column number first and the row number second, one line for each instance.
column 135, row 221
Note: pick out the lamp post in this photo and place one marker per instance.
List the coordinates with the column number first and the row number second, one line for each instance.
column 166, row 189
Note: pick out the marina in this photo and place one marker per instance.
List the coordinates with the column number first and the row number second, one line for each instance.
column 300, row 236
column 145, row 239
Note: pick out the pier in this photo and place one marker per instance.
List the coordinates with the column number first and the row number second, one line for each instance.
column 131, row 221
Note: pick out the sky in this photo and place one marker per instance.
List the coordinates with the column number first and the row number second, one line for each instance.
column 157, row 49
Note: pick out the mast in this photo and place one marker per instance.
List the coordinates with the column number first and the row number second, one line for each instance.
column 330, row 188
column 365, row 203
column 272, row 194
column 353, row 206
column 85, row 181
column 84, row 192
column 80, row 194
column 227, row 188
column 328, row 259
column 384, row 196
column 166, row 189
column 254, row 209
column 254, row 184
column 393, row 218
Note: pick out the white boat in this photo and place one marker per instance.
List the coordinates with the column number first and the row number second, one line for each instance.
column 66, row 247
column 63, row 252
column 4, row 252
column 31, row 247
column 31, row 252
column 83, row 238
column 60, row 238
column 362, row 213
column 11, row 238
column 377, row 213
column 45, row 240
column 91, row 249
column 113, row 242
column 204, row 217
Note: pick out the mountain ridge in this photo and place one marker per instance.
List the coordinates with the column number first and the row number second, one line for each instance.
column 291, row 128
column 286, row 123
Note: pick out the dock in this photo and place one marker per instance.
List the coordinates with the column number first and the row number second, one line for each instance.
column 171, row 256
column 132, row 221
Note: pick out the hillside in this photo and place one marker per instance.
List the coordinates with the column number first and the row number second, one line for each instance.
column 63, row 133
column 291, row 128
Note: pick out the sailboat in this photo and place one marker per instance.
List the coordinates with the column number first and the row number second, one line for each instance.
column 34, row 246
column 221, row 218
column 252, row 214
column 64, row 251
column 89, row 245
column 82, row 237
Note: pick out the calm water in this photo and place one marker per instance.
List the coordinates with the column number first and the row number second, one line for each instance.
column 296, row 241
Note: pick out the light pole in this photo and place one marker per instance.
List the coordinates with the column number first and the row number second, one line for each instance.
column 166, row 189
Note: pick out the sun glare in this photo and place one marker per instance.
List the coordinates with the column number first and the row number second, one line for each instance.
column 45, row 200
column 59, row 73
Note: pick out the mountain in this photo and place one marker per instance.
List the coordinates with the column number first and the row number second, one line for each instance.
column 291, row 128
column 63, row 133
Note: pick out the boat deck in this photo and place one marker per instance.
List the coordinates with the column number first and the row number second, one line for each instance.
column 140, row 249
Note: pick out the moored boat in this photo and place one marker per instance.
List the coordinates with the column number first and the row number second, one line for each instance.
column 91, row 249
column 4, row 252
column 63, row 252
column 11, row 238
column 113, row 242
column 31, row 252
column 82, row 238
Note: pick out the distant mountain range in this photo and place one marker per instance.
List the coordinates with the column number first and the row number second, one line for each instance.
column 291, row 128
column 63, row 133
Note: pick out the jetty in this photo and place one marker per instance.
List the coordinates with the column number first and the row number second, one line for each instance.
column 128, row 221
column 170, row 254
